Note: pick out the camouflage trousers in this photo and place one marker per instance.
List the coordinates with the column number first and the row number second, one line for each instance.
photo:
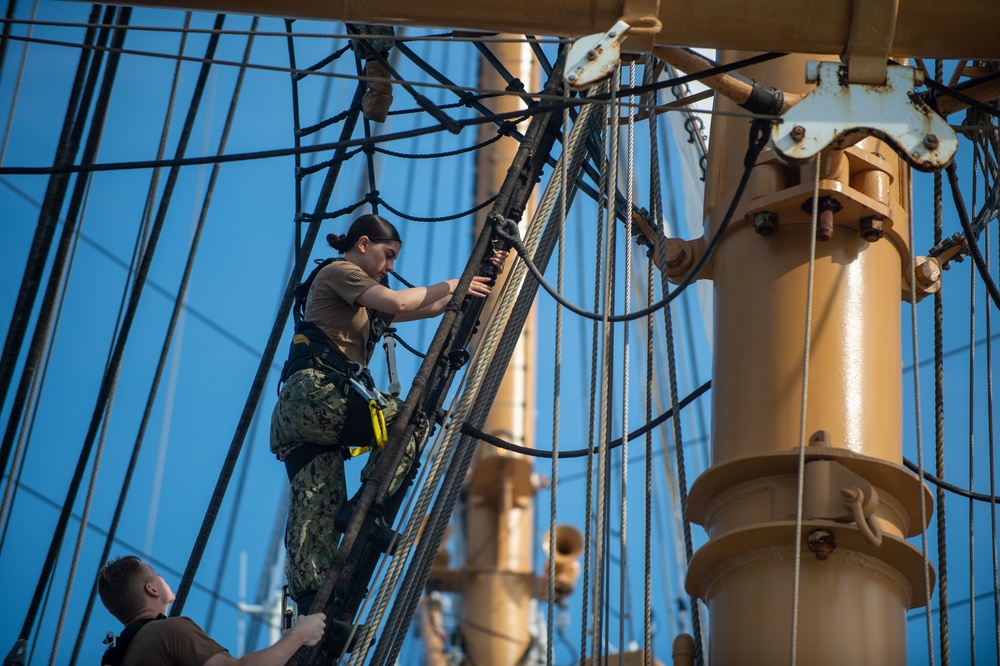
column 311, row 409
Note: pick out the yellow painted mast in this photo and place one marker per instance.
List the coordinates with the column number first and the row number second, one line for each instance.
column 854, row 590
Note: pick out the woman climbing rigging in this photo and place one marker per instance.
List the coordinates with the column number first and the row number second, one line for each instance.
column 328, row 408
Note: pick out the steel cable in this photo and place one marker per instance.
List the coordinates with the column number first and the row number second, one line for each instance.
column 800, row 474
column 484, row 389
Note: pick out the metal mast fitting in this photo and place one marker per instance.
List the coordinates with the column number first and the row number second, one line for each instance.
column 838, row 113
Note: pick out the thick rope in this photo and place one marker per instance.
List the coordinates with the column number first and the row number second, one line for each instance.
column 942, row 525
column 656, row 207
column 601, row 559
column 920, row 450
column 591, row 452
column 81, row 96
column 473, row 399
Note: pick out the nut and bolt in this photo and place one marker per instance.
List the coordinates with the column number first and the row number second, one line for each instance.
column 872, row 228
column 765, row 223
column 928, row 272
column 821, row 543
column 673, row 253
column 572, row 76
column 931, row 141
column 798, row 133
column 592, row 54
column 827, row 207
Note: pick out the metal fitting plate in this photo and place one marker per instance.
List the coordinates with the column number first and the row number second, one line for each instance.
column 837, row 114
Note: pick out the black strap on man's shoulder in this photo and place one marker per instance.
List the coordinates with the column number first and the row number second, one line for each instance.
column 118, row 645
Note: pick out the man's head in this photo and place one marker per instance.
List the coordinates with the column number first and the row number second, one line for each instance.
column 129, row 587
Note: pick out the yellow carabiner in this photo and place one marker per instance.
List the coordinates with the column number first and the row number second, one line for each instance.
column 378, row 423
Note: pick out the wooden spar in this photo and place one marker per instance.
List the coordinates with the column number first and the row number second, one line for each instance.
column 923, row 28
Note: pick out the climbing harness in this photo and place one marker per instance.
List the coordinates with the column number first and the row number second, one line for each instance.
column 310, row 348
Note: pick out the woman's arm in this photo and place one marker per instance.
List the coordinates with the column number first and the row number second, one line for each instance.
column 418, row 302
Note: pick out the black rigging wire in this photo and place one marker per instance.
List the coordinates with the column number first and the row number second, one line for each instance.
column 81, row 95
column 468, row 429
column 970, row 234
column 11, row 9
column 507, row 232
column 496, row 118
column 956, row 92
column 260, row 377
column 127, row 320
column 441, row 218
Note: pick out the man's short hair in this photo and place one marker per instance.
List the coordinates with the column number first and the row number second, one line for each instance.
column 120, row 583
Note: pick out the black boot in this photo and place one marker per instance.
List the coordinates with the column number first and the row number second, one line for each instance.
column 381, row 534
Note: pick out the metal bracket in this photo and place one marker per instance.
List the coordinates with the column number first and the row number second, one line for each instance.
column 838, row 114
column 833, row 492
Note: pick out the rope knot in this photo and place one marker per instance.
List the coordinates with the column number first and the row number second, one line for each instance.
column 506, row 230
column 516, row 85
column 373, row 197
column 506, row 128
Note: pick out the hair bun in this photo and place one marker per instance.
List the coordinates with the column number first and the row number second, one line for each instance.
column 338, row 242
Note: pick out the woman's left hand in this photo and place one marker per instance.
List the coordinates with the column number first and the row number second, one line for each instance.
column 480, row 286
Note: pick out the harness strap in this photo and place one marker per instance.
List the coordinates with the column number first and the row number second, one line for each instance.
column 118, row 645
column 303, row 454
